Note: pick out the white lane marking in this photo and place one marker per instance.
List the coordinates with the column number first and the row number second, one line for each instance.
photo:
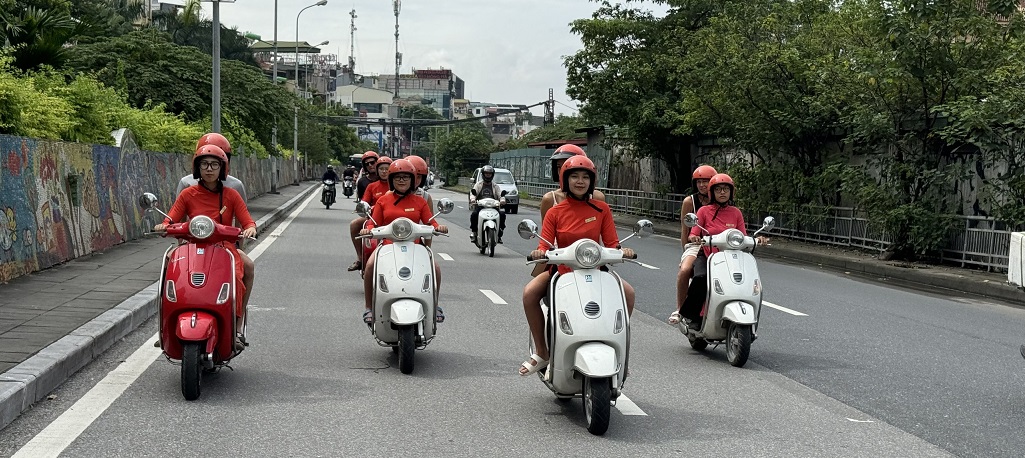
column 783, row 309
column 495, row 298
column 50, row 442
column 445, row 256
column 460, row 206
column 627, row 407
column 646, row 266
column 60, row 433
column 861, row 421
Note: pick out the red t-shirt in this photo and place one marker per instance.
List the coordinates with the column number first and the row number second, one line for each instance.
column 727, row 218
column 412, row 206
column 374, row 191
column 573, row 219
column 198, row 200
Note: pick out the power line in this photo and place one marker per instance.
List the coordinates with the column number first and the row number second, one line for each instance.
column 567, row 106
column 402, row 122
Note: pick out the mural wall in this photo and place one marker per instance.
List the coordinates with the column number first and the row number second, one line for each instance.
column 59, row 200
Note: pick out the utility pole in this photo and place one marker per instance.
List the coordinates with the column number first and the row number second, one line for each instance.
column 352, row 45
column 398, row 64
column 550, row 108
column 216, row 51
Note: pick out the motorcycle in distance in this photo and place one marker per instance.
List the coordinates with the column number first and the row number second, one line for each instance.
column 487, row 222
column 347, row 186
column 729, row 286
column 405, row 298
column 587, row 324
column 327, row 195
column 197, row 298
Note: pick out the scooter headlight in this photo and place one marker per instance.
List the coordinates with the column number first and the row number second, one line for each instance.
column 402, row 229
column 588, row 254
column 201, row 227
column 735, row 239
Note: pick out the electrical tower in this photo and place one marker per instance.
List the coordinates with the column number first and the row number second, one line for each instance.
column 550, row 108
column 352, row 45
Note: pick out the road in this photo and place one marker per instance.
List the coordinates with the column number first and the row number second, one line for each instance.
column 869, row 370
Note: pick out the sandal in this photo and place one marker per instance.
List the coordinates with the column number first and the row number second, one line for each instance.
column 439, row 315
column 532, row 368
column 240, row 342
column 674, row 318
column 356, row 265
column 368, row 317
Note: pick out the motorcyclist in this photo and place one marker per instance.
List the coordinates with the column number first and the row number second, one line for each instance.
column 400, row 202
column 330, row 174
column 486, row 188
column 349, row 172
column 218, row 140
column 212, row 198
column 368, row 175
column 575, row 218
column 691, row 204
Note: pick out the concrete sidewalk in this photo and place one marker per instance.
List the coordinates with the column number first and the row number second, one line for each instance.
column 938, row 277
column 54, row 322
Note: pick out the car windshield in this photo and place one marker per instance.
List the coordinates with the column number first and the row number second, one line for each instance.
column 504, row 177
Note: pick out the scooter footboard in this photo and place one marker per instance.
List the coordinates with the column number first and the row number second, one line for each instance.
column 596, row 359
column 406, row 312
column 740, row 313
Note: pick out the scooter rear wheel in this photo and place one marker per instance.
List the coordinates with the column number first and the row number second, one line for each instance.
column 192, row 371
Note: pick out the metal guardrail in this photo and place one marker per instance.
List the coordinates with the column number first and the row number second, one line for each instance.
column 974, row 242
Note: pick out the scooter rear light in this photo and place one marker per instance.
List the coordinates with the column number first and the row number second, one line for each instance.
column 718, row 287
column 564, row 324
column 757, row 288
column 169, row 292
column 383, row 284
column 620, row 322
column 222, row 296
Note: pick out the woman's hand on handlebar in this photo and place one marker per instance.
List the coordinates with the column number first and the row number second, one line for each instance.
column 249, row 233
column 537, row 254
column 442, row 229
column 160, row 227
column 762, row 240
column 694, row 239
column 364, row 231
column 629, row 253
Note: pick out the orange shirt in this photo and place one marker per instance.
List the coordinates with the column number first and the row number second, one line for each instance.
column 374, row 191
column 197, row 200
column 412, row 206
column 572, row 220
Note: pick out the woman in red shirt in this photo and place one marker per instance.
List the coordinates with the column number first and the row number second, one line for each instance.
column 211, row 198
column 400, row 202
column 573, row 219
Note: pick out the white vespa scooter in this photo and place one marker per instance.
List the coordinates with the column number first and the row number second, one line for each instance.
column 487, row 223
column 587, row 325
column 405, row 297
column 732, row 292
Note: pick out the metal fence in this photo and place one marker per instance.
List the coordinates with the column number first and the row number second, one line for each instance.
column 974, row 241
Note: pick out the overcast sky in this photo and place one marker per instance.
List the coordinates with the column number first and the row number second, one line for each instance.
column 507, row 51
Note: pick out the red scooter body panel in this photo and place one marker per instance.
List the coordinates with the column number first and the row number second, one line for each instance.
column 199, row 272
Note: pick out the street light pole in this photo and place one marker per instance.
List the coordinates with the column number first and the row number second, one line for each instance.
column 274, row 130
column 295, row 125
column 216, row 51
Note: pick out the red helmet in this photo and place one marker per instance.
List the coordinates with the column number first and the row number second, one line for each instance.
column 578, row 163
column 216, row 139
column 419, row 164
column 210, row 151
column 704, row 172
column 721, row 178
column 564, row 152
column 368, row 156
column 382, row 160
column 400, row 167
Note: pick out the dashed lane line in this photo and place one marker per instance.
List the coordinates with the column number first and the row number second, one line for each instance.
column 495, row 298
column 627, row 407
column 783, row 309
column 445, row 256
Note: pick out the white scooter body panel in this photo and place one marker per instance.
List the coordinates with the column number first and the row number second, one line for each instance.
column 571, row 294
column 733, row 272
column 595, row 359
column 408, row 272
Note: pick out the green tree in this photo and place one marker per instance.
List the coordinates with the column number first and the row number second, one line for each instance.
column 464, row 147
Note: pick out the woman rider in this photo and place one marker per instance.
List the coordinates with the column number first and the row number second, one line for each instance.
column 573, row 219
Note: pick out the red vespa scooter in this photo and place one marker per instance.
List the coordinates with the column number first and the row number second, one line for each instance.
column 197, row 298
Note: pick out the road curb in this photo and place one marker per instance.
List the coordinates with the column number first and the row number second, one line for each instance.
column 28, row 382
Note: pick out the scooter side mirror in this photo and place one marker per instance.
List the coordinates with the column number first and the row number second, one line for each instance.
column 147, row 200
column 644, row 228
column 504, row 193
column 363, row 209
column 690, row 220
column 527, row 229
column 445, row 206
column 769, row 223
column 473, row 192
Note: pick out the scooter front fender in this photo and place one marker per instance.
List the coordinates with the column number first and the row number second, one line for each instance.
column 406, row 312
column 490, row 223
column 595, row 359
column 198, row 327
column 740, row 313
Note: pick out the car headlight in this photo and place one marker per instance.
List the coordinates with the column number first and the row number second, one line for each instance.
column 588, row 254
column 201, row 227
column 402, row 229
column 735, row 239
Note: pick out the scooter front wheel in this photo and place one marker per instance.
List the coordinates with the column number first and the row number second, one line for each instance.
column 192, row 370
column 491, row 241
column 407, row 348
column 597, row 404
column 738, row 344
